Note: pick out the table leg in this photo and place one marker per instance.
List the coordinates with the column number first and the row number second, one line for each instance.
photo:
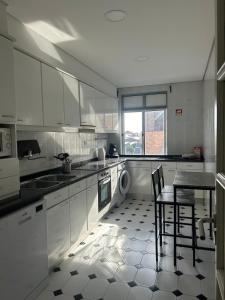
column 210, row 212
column 175, row 225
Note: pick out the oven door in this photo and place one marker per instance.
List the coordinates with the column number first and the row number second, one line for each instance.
column 104, row 192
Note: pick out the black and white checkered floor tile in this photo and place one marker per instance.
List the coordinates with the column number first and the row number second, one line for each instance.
column 117, row 261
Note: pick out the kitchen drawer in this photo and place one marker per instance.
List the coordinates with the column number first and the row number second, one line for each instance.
column 139, row 164
column 189, row 166
column 9, row 186
column 92, row 180
column 56, row 197
column 165, row 164
column 77, row 187
column 9, row 167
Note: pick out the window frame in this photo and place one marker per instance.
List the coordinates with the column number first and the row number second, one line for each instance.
column 143, row 109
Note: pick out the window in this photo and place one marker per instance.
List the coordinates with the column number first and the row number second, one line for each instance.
column 144, row 125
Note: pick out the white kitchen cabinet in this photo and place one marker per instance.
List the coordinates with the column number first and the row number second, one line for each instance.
column 23, row 252
column 58, row 232
column 71, row 101
column 115, row 116
column 78, row 216
column 28, row 90
column 9, row 177
column 53, row 107
column 7, row 99
column 108, row 114
column 100, row 111
column 141, row 181
column 92, row 206
column 87, row 105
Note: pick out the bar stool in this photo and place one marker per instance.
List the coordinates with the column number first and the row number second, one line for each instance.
column 162, row 199
column 169, row 189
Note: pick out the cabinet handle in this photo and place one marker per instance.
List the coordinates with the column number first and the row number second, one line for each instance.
column 59, row 123
column 68, row 124
column 8, row 116
column 24, row 220
column 20, row 120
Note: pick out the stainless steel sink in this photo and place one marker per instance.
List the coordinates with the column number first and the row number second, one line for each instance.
column 40, row 184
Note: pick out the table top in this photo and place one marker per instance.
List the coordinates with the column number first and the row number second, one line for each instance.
column 194, row 180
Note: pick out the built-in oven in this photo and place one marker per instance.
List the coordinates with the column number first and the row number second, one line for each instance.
column 104, row 189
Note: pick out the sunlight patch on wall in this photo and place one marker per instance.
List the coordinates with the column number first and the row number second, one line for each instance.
column 51, row 33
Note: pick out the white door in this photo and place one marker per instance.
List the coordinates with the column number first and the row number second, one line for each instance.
column 87, row 105
column 52, row 83
column 7, row 99
column 28, row 90
column 78, row 216
column 92, row 206
column 71, row 101
column 58, row 232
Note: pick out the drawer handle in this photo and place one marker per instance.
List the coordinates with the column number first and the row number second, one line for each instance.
column 39, row 207
column 24, row 220
column 20, row 120
column 8, row 116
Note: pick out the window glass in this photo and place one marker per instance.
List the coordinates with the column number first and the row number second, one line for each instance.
column 154, row 132
column 133, row 133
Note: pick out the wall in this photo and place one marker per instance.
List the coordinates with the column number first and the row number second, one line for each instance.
column 80, row 146
column 39, row 47
column 184, row 132
column 209, row 109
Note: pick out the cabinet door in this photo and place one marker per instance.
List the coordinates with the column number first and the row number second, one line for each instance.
column 115, row 116
column 140, row 181
column 92, row 206
column 78, row 216
column 52, row 82
column 100, row 111
column 7, row 99
column 28, row 90
column 71, row 101
column 58, row 232
column 87, row 104
column 108, row 114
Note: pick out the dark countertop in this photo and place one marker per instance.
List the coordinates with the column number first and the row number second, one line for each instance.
column 29, row 196
column 175, row 158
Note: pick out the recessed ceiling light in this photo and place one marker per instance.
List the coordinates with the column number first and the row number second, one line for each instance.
column 115, row 15
column 141, row 58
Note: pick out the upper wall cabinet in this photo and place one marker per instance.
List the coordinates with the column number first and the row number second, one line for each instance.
column 71, row 101
column 28, row 90
column 52, row 83
column 7, row 97
column 87, row 105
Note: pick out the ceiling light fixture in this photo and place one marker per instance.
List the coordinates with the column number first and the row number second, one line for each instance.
column 115, row 15
column 142, row 58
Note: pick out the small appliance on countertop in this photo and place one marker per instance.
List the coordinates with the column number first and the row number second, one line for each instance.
column 66, row 162
column 113, row 153
column 101, row 154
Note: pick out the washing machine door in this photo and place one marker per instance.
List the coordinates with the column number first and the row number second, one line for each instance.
column 124, row 182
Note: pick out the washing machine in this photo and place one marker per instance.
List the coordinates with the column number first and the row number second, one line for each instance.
column 124, row 181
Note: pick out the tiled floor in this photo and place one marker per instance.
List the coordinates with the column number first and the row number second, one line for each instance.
column 117, row 262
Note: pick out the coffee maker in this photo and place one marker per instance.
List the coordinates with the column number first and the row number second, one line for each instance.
column 113, row 153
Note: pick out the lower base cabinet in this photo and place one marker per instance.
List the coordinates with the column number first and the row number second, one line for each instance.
column 92, row 206
column 78, row 216
column 58, row 232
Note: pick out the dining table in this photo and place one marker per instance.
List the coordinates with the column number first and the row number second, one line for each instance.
column 186, row 180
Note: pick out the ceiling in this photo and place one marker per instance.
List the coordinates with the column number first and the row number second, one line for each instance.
column 176, row 36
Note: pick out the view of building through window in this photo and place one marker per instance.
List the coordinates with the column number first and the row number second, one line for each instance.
column 154, row 135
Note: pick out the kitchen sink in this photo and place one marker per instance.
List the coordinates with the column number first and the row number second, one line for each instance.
column 57, row 177
column 40, row 184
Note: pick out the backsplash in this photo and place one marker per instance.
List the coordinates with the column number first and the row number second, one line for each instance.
column 80, row 146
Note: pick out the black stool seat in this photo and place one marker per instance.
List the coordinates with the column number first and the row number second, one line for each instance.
column 169, row 189
column 168, row 198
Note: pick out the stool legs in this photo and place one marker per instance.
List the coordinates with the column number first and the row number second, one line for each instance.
column 193, row 234
column 156, row 237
